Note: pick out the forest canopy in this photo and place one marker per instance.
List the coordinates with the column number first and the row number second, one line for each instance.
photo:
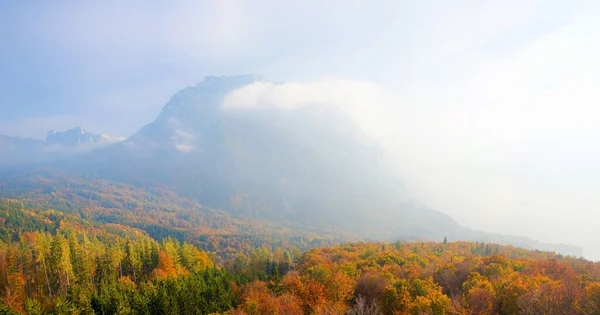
column 59, row 263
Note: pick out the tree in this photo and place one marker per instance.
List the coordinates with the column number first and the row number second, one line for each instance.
column 479, row 294
column 363, row 307
column 193, row 259
column 33, row 307
column 61, row 259
column 166, row 267
column 133, row 260
column 339, row 290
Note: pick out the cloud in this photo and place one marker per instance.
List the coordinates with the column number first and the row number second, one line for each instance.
column 365, row 102
column 183, row 141
column 518, row 131
column 507, row 146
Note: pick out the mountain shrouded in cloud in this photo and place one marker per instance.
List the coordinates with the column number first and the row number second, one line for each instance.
column 280, row 152
column 308, row 154
column 309, row 163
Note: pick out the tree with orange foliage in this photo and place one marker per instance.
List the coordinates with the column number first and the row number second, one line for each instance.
column 14, row 296
column 592, row 298
column 479, row 294
column 312, row 296
column 166, row 267
column 257, row 299
column 339, row 289
column 395, row 300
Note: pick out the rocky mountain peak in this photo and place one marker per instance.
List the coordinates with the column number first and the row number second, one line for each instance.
column 74, row 137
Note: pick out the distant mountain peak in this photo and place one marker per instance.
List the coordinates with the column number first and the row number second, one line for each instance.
column 58, row 144
column 74, row 130
column 74, row 137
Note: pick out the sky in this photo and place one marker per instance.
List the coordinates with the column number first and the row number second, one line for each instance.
column 488, row 109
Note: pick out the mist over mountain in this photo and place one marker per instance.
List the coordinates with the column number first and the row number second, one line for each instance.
column 305, row 162
column 311, row 164
column 390, row 157
column 308, row 164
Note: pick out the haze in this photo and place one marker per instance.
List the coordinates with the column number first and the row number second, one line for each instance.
column 487, row 108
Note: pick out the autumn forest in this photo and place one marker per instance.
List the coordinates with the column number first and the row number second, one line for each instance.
column 56, row 262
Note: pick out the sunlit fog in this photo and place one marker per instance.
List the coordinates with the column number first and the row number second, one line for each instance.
column 487, row 110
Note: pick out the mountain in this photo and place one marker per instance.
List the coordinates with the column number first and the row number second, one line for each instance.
column 309, row 168
column 311, row 165
column 20, row 151
column 75, row 137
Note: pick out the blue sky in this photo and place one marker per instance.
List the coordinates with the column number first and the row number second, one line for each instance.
column 111, row 65
column 491, row 106
column 88, row 62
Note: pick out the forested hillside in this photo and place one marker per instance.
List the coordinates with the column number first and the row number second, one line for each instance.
column 161, row 213
column 60, row 263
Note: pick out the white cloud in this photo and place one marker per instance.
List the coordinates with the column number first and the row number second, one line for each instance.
column 183, row 140
column 507, row 148
column 364, row 102
column 518, row 131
